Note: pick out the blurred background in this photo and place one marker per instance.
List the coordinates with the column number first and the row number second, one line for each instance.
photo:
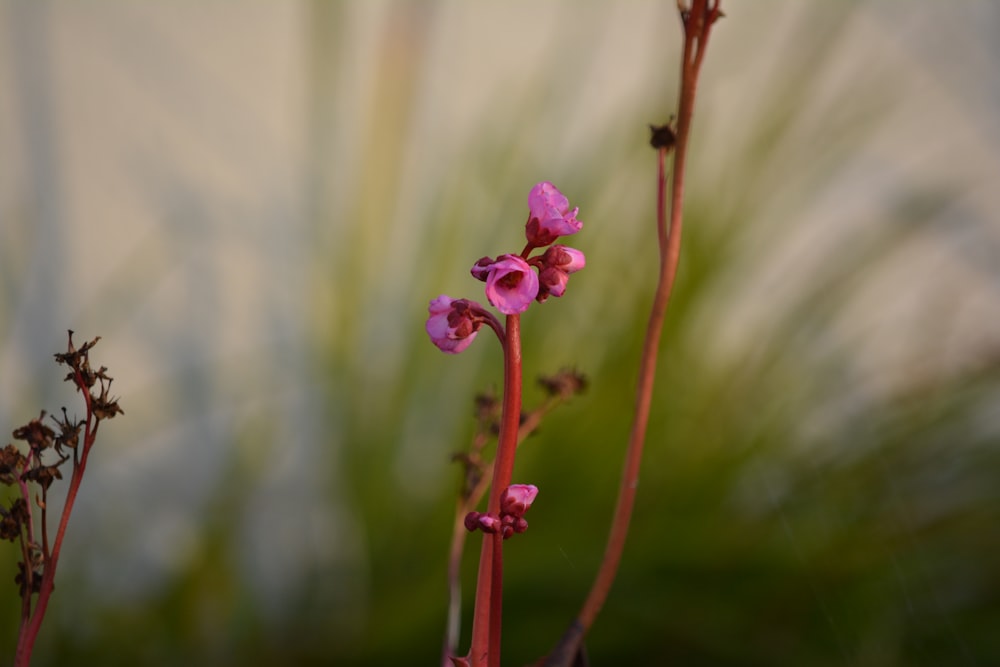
column 252, row 203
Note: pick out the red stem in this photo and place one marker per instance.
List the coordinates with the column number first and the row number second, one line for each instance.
column 697, row 23
column 496, row 600
column 485, row 651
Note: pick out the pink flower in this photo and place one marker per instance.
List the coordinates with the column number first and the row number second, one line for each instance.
column 511, row 285
column 517, row 498
column 549, row 215
column 452, row 324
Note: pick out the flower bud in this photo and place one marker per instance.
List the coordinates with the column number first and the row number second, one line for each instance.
column 489, row 524
column 472, row 521
column 452, row 324
column 551, row 282
column 565, row 258
column 549, row 215
column 517, row 498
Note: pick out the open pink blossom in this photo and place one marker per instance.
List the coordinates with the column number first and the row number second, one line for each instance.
column 453, row 323
column 549, row 215
column 511, row 284
column 517, row 498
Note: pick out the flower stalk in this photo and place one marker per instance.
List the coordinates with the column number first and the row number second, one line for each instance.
column 697, row 20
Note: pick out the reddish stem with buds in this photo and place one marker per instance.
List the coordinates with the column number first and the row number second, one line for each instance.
column 485, row 651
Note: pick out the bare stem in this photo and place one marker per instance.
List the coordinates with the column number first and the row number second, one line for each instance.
column 697, row 21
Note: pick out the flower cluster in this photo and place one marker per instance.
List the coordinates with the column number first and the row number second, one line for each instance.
column 514, row 502
column 514, row 281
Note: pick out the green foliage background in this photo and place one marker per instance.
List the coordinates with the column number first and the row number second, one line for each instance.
column 822, row 477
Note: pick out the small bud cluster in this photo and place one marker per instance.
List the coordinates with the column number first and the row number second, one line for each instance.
column 514, row 502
